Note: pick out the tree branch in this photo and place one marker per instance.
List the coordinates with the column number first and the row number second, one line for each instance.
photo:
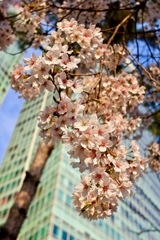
column 145, row 231
column 116, row 29
column 25, row 196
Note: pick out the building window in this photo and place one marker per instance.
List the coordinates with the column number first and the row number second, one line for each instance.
column 100, row 223
column 49, row 195
column 13, row 184
column 70, row 184
column 12, row 156
column 43, row 231
column 35, row 236
column 112, row 217
column 9, row 197
column 5, row 213
column 118, row 237
column 31, row 209
column 60, row 195
column 56, row 230
column 1, row 189
column 113, row 233
column 64, row 235
column 107, row 228
column 7, row 187
column 68, row 200
column 71, row 238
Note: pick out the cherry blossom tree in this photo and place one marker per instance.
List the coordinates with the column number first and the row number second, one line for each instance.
column 98, row 94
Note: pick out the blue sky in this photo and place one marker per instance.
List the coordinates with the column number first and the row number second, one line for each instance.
column 9, row 112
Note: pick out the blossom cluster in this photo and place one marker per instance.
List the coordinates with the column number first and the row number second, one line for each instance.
column 28, row 22
column 92, row 112
column 38, row 72
column 6, row 35
column 95, row 140
column 19, row 18
column 6, row 31
column 34, row 15
column 154, row 157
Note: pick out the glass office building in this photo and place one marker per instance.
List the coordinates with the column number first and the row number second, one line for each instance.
column 7, row 62
column 52, row 215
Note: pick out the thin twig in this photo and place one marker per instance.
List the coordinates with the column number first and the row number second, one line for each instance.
column 100, row 78
column 144, row 69
column 82, row 74
column 144, row 231
column 152, row 114
column 131, row 33
column 148, row 230
column 24, row 49
column 116, row 29
column 90, row 9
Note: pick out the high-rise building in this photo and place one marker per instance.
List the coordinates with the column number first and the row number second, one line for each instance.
column 51, row 215
column 6, row 65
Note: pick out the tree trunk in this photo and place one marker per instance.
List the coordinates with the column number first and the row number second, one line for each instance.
column 18, row 212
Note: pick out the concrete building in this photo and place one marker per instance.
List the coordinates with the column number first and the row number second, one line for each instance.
column 51, row 215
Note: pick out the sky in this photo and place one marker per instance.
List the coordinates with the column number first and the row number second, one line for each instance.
column 9, row 111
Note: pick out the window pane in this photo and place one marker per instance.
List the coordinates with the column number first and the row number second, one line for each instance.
column 60, row 195
column 68, row 200
column 35, row 237
column 64, row 235
column 71, row 238
column 43, row 232
column 55, row 230
column 112, row 217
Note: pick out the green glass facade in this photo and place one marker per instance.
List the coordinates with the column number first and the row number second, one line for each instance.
column 52, row 215
column 7, row 62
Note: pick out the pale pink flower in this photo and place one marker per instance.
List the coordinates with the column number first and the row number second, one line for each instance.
column 76, row 85
column 18, row 71
column 81, row 123
column 85, row 186
column 47, row 85
column 62, row 80
column 63, row 107
column 30, row 62
column 119, row 165
column 87, row 140
column 46, row 115
column 104, row 143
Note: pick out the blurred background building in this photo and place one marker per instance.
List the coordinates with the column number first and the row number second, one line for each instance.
column 52, row 215
column 7, row 62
